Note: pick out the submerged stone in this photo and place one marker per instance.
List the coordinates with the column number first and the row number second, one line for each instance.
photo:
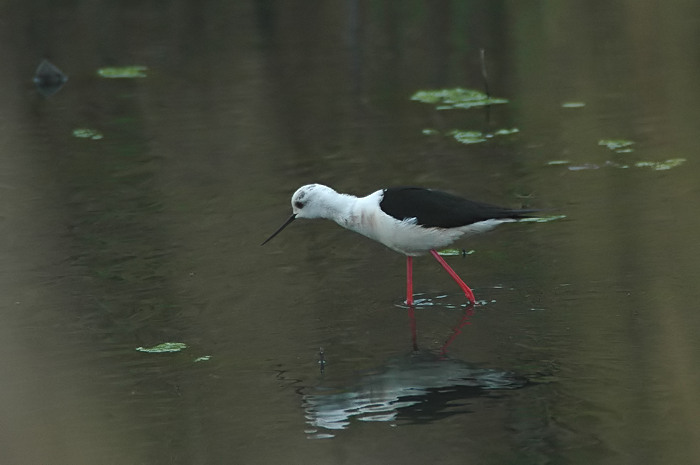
column 48, row 78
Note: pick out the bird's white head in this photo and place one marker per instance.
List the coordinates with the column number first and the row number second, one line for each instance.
column 314, row 201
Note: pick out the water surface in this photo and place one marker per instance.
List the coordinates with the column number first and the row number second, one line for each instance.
column 582, row 349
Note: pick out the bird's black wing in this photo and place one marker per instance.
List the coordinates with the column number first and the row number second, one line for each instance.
column 433, row 208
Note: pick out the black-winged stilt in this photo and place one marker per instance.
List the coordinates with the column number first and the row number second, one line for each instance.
column 409, row 220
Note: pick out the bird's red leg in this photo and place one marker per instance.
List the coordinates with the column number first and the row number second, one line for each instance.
column 457, row 330
column 409, row 280
column 412, row 324
column 468, row 292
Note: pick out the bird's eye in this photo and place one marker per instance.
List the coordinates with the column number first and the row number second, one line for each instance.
column 298, row 205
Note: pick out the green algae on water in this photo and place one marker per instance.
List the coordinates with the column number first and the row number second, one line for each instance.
column 468, row 137
column 455, row 252
column 123, row 72
column 617, row 145
column 87, row 133
column 506, row 132
column 661, row 165
column 474, row 137
column 557, row 162
column 449, row 99
column 654, row 165
column 164, row 347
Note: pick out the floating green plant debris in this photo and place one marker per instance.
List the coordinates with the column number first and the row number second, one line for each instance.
column 655, row 165
column 468, row 137
column 474, row 137
column 616, row 165
column 660, row 165
column 86, row 133
column 203, row 358
column 448, row 99
column 585, row 166
column 542, row 219
column 617, row 145
column 123, row 72
column 164, row 347
column 450, row 252
column 455, row 252
column 506, row 132
column 593, row 166
column 573, row 105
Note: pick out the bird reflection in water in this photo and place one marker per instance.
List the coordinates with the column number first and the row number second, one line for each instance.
column 418, row 387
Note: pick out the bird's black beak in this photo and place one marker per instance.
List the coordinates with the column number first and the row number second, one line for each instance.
column 286, row 223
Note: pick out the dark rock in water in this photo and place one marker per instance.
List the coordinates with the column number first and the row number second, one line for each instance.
column 48, row 78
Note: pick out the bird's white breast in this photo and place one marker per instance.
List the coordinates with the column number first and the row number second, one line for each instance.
column 365, row 216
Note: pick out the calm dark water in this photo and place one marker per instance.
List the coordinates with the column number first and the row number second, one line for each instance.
column 583, row 348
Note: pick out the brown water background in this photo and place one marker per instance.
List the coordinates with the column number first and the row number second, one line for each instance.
column 151, row 234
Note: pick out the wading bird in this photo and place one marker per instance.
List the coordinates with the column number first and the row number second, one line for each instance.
column 409, row 220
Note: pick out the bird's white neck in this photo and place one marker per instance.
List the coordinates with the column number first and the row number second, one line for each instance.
column 355, row 213
column 340, row 208
column 358, row 213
